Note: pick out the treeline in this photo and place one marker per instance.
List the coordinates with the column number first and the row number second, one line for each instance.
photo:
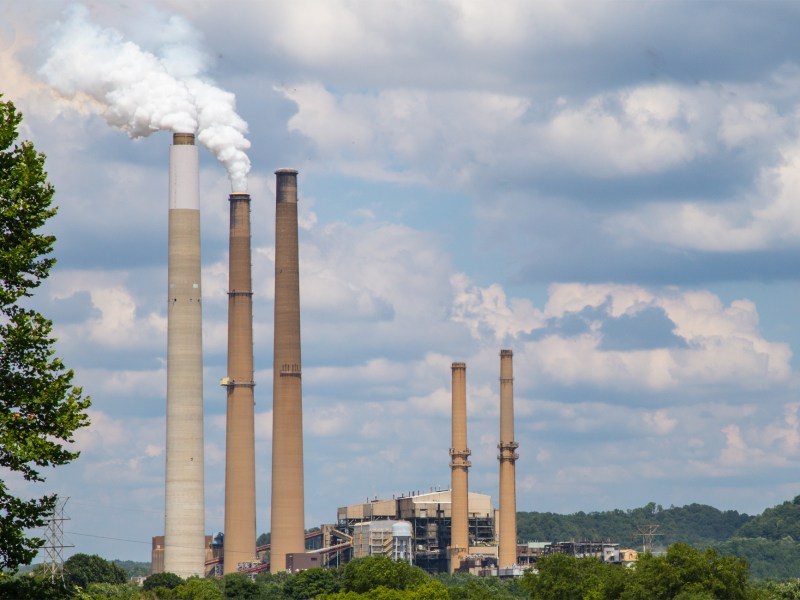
column 695, row 524
column 768, row 542
column 681, row 573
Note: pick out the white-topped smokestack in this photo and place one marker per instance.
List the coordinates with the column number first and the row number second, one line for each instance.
column 184, row 523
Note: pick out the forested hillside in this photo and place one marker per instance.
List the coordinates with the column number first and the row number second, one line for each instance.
column 696, row 524
column 768, row 541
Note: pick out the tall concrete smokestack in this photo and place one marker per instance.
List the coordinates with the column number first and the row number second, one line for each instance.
column 287, row 527
column 459, row 466
column 508, row 456
column 184, row 536
column 240, row 469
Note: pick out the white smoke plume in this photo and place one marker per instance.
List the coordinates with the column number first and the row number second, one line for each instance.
column 139, row 92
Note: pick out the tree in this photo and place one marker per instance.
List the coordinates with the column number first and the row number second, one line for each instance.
column 310, row 584
column 368, row 573
column 238, row 586
column 83, row 569
column 688, row 573
column 40, row 409
column 196, row 588
column 165, row 580
column 32, row 587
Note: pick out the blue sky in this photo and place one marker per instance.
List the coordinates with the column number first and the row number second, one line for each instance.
column 607, row 188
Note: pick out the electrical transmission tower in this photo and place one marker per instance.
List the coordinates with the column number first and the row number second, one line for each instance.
column 648, row 533
column 54, row 546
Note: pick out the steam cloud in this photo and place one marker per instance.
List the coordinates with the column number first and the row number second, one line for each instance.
column 140, row 93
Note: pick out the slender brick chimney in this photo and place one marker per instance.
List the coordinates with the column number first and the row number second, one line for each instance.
column 508, row 456
column 459, row 466
column 288, row 519
column 240, row 470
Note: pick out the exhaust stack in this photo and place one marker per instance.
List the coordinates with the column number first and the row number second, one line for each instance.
column 459, row 466
column 240, row 471
column 184, row 511
column 287, row 527
column 508, row 456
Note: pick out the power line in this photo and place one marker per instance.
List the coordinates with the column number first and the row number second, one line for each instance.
column 116, row 539
column 105, row 537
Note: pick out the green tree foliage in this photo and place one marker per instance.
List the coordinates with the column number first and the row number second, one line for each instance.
column 773, row 559
column 133, row 568
column 685, row 572
column 462, row 586
column 428, row 590
column 83, row 569
column 111, row 591
column 775, row 523
column 263, row 539
column 165, row 580
column 695, row 524
column 40, row 409
column 365, row 574
column 784, row 590
column 271, row 585
column 562, row 577
column 198, row 589
column 238, row 586
column 310, row 584
column 32, row 587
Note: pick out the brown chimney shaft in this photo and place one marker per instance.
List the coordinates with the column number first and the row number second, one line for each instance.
column 287, row 527
column 507, row 530
column 240, row 472
column 459, row 467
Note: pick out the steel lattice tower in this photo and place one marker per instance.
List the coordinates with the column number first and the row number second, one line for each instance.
column 54, row 547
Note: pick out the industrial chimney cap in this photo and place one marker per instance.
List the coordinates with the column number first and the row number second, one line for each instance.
column 183, row 139
column 286, row 171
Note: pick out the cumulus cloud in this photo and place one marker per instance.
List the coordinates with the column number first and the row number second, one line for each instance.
column 719, row 344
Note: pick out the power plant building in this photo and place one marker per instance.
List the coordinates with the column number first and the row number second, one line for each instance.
column 383, row 538
column 430, row 518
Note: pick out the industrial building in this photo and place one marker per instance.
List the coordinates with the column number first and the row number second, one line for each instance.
column 429, row 517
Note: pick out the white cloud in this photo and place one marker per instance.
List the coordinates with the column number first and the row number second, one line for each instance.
column 723, row 344
column 488, row 309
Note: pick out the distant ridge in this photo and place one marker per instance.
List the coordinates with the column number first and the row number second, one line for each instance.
column 769, row 541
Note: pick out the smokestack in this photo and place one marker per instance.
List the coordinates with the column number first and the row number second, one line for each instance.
column 184, row 535
column 508, row 456
column 240, row 469
column 459, row 466
column 287, row 527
